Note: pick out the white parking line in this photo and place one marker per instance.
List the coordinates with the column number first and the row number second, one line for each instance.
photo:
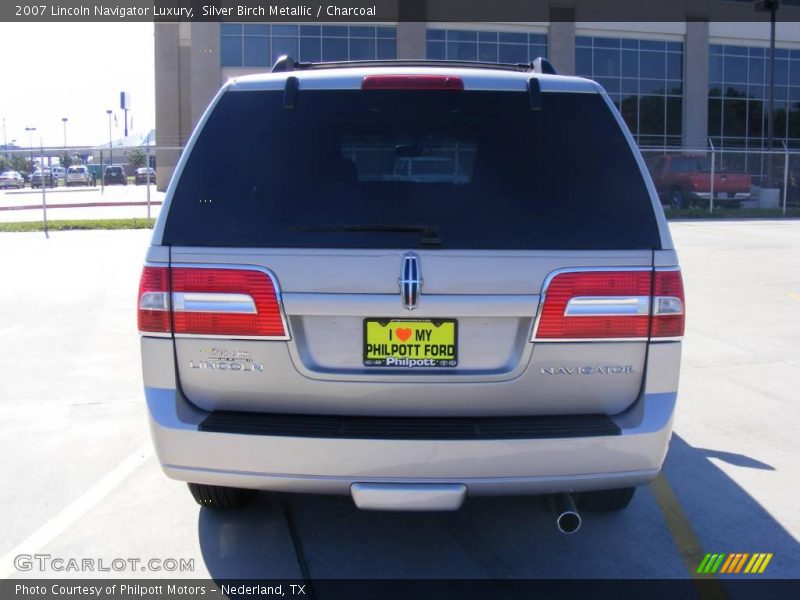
column 52, row 528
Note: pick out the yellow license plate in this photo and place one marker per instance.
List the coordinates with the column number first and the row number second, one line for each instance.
column 410, row 343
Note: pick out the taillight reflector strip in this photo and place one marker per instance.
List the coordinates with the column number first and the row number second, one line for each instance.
column 607, row 306
column 220, row 302
column 412, row 82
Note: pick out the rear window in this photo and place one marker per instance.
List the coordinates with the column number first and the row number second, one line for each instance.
column 411, row 169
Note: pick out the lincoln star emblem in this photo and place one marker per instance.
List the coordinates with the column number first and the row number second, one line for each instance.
column 410, row 281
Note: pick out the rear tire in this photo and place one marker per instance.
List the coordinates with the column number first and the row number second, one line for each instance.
column 605, row 500
column 220, row 498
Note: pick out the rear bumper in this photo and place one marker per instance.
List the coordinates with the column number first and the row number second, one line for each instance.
column 483, row 466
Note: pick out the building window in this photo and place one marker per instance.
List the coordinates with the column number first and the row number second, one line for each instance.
column 260, row 45
column 644, row 79
column 485, row 46
column 738, row 91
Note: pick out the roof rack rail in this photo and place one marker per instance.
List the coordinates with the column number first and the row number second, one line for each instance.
column 540, row 65
column 283, row 64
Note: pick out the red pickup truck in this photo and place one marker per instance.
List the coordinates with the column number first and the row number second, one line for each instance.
column 683, row 180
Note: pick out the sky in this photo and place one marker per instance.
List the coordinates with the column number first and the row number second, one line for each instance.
column 75, row 70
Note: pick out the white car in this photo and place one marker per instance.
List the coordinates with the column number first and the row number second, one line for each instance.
column 11, row 179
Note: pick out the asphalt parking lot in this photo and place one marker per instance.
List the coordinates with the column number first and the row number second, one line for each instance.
column 81, row 480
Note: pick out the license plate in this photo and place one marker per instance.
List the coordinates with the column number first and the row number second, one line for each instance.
column 410, row 343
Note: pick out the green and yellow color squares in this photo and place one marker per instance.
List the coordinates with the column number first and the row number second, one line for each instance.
column 735, row 563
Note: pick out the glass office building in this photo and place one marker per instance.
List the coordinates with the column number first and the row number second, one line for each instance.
column 259, row 45
column 485, row 46
column 738, row 92
column 644, row 79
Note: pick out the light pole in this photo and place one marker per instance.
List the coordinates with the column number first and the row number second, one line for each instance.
column 64, row 121
column 30, row 131
column 44, row 197
column 110, row 151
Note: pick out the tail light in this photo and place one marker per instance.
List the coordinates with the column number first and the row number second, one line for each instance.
column 412, row 82
column 623, row 304
column 212, row 302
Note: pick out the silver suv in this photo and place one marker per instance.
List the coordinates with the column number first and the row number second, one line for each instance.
column 311, row 322
column 79, row 175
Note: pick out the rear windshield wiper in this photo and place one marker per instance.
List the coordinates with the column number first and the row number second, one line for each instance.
column 430, row 233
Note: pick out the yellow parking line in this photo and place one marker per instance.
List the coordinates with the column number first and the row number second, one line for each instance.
column 685, row 538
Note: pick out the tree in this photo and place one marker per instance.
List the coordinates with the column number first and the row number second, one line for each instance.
column 137, row 157
column 20, row 163
column 65, row 159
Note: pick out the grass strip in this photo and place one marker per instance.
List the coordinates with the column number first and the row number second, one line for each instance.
column 78, row 224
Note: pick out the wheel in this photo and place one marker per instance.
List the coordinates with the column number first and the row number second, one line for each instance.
column 605, row 500
column 220, row 498
column 677, row 199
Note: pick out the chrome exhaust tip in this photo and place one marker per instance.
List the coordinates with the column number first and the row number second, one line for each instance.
column 568, row 519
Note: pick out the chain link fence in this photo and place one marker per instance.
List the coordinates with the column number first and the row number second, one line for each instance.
column 725, row 178
column 83, row 183
column 28, row 161
column 686, row 179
